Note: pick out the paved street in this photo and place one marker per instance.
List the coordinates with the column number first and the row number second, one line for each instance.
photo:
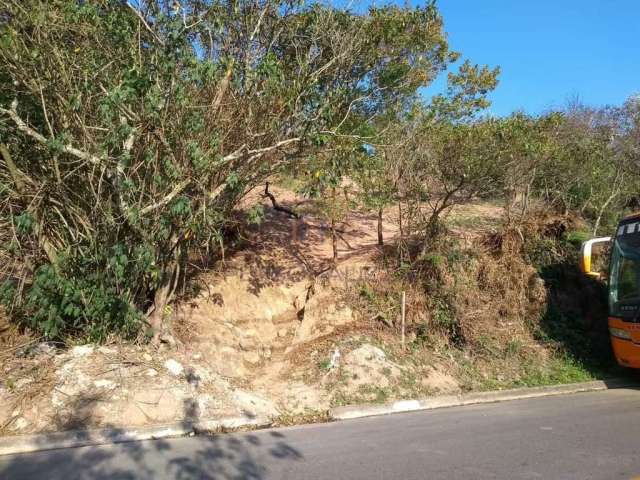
column 581, row 436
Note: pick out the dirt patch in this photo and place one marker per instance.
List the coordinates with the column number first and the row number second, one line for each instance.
column 273, row 331
column 90, row 386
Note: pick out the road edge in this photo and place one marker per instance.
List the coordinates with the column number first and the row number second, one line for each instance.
column 369, row 410
column 13, row 445
column 18, row 444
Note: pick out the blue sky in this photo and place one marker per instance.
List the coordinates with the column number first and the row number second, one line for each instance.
column 549, row 51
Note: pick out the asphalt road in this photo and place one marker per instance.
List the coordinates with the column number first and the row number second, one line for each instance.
column 581, row 436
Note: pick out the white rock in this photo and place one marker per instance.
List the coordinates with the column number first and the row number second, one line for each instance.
column 174, row 367
column 254, row 404
column 335, row 359
column 21, row 423
column 252, row 358
column 82, row 350
column 104, row 383
column 152, row 372
column 147, row 357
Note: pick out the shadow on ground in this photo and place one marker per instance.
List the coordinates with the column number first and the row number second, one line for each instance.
column 223, row 456
column 239, row 456
column 576, row 320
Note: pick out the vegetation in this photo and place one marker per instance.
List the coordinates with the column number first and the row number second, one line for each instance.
column 129, row 131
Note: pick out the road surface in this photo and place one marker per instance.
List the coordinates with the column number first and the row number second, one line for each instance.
column 582, row 436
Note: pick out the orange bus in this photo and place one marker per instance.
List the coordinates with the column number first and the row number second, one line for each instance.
column 623, row 288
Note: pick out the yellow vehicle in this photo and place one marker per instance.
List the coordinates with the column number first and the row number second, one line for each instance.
column 623, row 288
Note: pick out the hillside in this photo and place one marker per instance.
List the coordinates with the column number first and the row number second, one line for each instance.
column 272, row 329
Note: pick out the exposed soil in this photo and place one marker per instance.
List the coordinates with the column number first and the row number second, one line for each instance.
column 268, row 333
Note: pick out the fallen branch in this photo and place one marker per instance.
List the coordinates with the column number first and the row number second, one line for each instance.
column 276, row 205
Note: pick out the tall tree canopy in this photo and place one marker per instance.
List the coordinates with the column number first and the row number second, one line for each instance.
column 128, row 131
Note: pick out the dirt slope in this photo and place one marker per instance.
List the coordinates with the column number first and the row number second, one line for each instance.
column 268, row 333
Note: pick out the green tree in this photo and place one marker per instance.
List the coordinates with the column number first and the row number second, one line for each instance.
column 131, row 129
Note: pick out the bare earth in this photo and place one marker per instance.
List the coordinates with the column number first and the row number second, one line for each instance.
column 267, row 334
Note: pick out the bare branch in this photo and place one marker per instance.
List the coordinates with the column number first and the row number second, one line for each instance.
column 280, row 144
column 27, row 130
column 166, row 199
column 144, row 22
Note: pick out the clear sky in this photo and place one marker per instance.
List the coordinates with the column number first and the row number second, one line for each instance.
column 549, row 50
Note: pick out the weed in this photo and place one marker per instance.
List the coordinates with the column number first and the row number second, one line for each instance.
column 560, row 369
column 304, row 418
column 433, row 259
column 324, row 365
column 373, row 393
column 577, row 237
column 513, row 348
column 11, row 384
column 367, row 293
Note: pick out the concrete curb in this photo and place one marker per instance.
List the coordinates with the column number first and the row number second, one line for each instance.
column 369, row 410
column 81, row 438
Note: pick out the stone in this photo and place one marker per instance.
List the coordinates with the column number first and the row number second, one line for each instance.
column 254, row 404
column 21, row 423
column 22, row 382
column 174, row 367
column 252, row 358
column 104, row 383
column 230, row 366
column 82, row 350
column 46, row 348
column 248, row 343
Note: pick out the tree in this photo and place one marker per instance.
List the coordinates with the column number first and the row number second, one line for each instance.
column 377, row 180
column 587, row 169
column 131, row 129
column 441, row 152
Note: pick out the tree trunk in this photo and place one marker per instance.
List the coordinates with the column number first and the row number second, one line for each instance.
column 160, row 301
column 164, row 292
column 527, row 194
column 19, row 179
column 334, row 240
column 334, row 236
column 614, row 193
column 430, row 232
column 380, row 239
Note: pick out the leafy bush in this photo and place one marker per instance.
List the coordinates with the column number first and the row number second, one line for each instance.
column 129, row 131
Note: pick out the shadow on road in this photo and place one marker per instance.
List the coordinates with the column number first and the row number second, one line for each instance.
column 233, row 456
column 242, row 456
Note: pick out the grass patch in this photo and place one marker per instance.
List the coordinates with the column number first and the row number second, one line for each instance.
column 560, row 370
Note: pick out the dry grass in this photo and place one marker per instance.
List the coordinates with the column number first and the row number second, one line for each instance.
column 476, row 303
column 41, row 374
